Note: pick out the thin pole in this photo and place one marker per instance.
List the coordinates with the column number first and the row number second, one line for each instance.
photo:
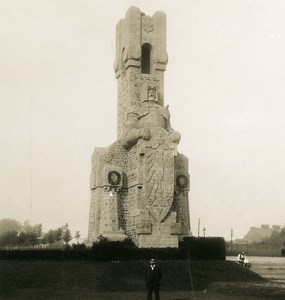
column 198, row 227
column 31, row 160
column 189, row 272
column 231, row 240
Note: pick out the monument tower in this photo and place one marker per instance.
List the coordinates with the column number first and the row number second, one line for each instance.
column 140, row 183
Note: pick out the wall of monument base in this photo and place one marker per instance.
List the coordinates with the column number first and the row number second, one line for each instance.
column 120, row 210
column 142, row 228
column 157, row 239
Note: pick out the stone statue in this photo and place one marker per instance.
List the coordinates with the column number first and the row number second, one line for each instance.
column 148, row 115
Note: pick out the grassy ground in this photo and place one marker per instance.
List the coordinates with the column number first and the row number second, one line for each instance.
column 125, row 280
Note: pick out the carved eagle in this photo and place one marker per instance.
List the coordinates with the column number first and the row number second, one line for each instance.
column 159, row 188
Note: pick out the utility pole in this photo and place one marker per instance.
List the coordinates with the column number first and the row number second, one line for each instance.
column 198, row 227
column 231, row 240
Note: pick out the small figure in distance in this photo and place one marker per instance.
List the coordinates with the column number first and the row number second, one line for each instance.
column 242, row 260
column 153, row 277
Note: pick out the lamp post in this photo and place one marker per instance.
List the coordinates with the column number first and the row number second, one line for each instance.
column 204, row 231
column 232, row 233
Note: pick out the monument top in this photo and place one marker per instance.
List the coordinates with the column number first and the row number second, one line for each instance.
column 141, row 42
column 141, row 58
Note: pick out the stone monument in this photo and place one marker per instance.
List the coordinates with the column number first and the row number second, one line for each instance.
column 140, row 183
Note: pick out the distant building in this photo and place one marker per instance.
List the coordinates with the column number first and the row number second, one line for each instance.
column 257, row 234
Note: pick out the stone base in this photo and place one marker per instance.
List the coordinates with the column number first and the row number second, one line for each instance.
column 113, row 236
column 156, row 241
column 162, row 234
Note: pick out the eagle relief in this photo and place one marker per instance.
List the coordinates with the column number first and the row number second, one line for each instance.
column 149, row 126
column 159, row 166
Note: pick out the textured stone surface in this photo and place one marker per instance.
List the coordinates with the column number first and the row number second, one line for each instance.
column 140, row 184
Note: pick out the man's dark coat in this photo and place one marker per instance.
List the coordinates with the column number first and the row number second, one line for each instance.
column 153, row 276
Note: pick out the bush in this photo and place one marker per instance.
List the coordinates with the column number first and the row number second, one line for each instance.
column 79, row 247
column 32, row 254
column 283, row 252
column 106, row 250
column 211, row 248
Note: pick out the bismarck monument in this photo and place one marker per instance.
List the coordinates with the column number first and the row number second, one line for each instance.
column 140, row 183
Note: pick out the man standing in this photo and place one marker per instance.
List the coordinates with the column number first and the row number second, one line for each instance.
column 153, row 276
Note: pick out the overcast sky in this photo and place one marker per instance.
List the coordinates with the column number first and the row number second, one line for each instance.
column 224, row 85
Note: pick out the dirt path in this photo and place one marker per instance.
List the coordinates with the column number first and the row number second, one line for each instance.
column 272, row 268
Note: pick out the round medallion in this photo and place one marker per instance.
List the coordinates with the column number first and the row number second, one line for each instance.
column 182, row 181
column 114, row 177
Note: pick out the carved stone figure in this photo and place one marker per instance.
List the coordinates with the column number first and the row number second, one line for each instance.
column 148, row 115
column 140, row 184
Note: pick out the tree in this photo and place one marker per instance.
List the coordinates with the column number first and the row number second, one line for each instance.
column 56, row 237
column 50, row 237
column 29, row 235
column 9, row 239
column 27, row 239
column 277, row 237
column 77, row 236
column 58, row 234
column 39, row 229
column 9, row 225
column 283, row 233
column 66, row 234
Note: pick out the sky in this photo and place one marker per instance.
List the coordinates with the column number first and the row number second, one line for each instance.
column 224, row 85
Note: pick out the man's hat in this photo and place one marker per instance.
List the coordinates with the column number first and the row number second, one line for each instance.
column 152, row 261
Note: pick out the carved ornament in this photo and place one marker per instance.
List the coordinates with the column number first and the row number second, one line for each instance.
column 182, row 181
column 114, row 178
column 147, row 24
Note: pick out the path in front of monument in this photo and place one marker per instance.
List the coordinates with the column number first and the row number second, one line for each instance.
column 272, row 268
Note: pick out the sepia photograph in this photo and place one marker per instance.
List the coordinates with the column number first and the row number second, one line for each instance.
column 142, row 149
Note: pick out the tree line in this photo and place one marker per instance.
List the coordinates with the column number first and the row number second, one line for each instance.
column 277, row 237
column 14, row 235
